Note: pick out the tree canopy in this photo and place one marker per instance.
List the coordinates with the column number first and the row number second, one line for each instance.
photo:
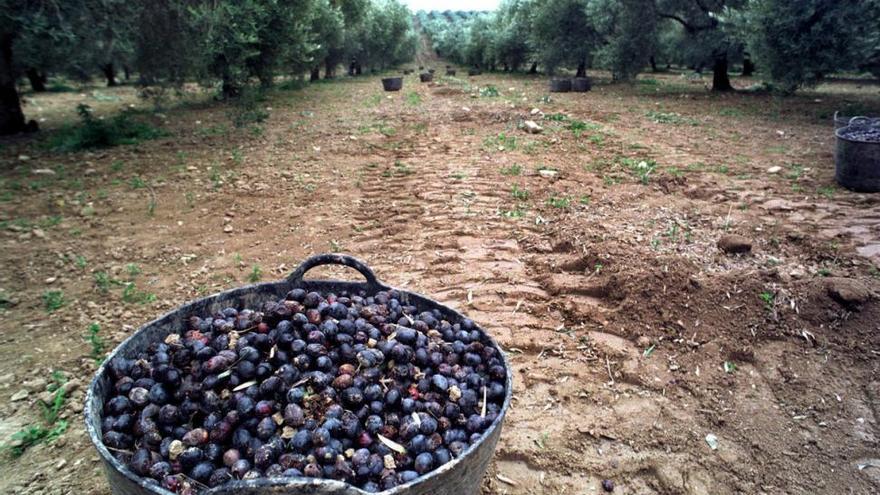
column 230, row 43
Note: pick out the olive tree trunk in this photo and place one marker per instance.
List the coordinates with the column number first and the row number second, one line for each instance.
column 109, row 74
column 748, row 67
column 720, row 78
column 37, row 79
column 11, row 116
column 582, row 69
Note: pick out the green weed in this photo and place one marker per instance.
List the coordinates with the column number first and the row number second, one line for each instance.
column 559, row 202
column 256, row 274
column 520, row 194
column 413, row 99
column 96, row 343
column 53, row 300
column 512, row 170
column 122, row 129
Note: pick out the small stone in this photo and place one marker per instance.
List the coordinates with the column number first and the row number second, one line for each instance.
column 43, row 171
column 608, row 485
column 548, row 174
column 227, row 228
column 39, row 233
column 734, row 244
column 20, row 395
column 51, row 280
column 643, row 341
column 7, row 378
column 37, row 385
column 71, row 385
column 90, row 171
column 60, row 464
column 774, row 169
column 847, row 291
column 23, row 158
column 532, row 128
column 535, row 111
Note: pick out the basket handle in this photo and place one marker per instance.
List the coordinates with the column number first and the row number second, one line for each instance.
column 335, row 259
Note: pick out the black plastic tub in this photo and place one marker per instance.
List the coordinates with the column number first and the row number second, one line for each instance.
column 857, row 161
column 450, row 72
column 560, row 85
column 426, row 77
column 580, row 84
column 392, row 83
column 461, row 476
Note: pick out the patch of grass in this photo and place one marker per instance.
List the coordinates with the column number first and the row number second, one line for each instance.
column 124, row 128
column 514, row 169
column 458, row 175
column 559, row 202
column 132, row 269
column 730, row 112
column 335, row 246
column 577, row 127
column 722, row 169
column 131, row 294
column 248, row 109
column 670, row 118
column 501, row 142
column 53, row 300
column 373, row 101
column 826, row 191
column 137, row 183
column 769, row 298
column 729, row 367
column 413, row 99
column 96, row 343
column 675, row 172
column 59, row 87
column 256, row 274
column 400, row 170
column 585, row 199
column 489, row 91
column 80, row 261
column 517, row 212
column 556, row 117
column 641, row 168
column 519, row 194
column 51, row 428
column 214, row 130
column 796, row 171
column 117, row 165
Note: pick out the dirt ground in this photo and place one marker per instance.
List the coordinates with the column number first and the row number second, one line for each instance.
column 588, row 250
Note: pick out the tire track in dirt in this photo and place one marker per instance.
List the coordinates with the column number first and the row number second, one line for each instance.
column 440, row 233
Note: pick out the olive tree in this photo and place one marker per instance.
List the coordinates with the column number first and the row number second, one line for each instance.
column 562, row 33
column 798, row 43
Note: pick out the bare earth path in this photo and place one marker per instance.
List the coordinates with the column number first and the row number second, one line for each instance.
column 588, row 250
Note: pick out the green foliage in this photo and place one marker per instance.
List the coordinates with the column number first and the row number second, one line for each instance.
column 489, row 91
column 124, row 128
column 514, row 169
column 131, row 294
column 256, row 274
column 52, row 426
column 53, row 300
column 801, row 42
column 96, row 343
